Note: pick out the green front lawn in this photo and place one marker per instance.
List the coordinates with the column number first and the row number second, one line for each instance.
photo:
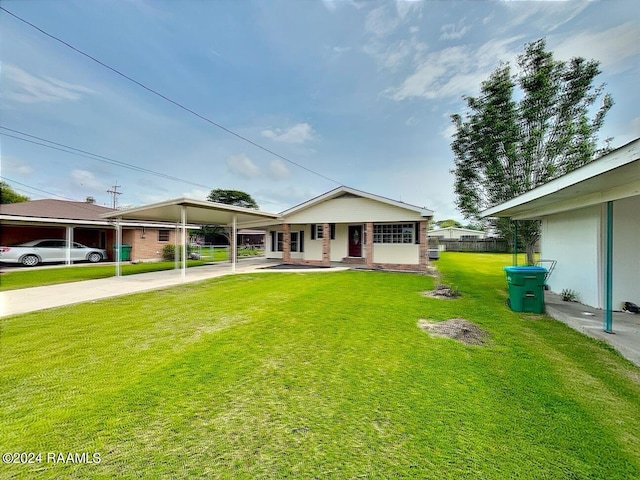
column 315, row 375
column 25, row 278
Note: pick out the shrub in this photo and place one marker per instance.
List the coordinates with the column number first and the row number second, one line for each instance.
column 569, row 295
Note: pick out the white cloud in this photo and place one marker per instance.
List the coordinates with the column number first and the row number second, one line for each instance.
column 451, row 31
column 298, row 134
column 407, row 8
column 453, row 71
column 15, row 165
column 616, row 48
column 196, row 194
column 86, row 180
column 278, row 170
column 243, row 166
column 635, row 127
column 449, row 132
column 23, row 87
column 547, row 15
column 381, row 22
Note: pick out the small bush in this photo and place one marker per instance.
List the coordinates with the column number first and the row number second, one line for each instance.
column 569, row 295
column 169, row 252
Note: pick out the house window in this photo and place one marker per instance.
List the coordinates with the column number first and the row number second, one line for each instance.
column 163, row 235
column 296, row 239
column 394, row 233
column 317, row 231
column 468, row 237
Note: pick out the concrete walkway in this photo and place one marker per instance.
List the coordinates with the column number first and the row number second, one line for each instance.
column 13, row 302
column 590, row 321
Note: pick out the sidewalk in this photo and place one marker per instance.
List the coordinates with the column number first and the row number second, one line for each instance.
column 590, row 321
column 13, row 302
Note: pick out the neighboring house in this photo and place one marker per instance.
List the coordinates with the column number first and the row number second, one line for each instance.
column 580, row 211
column 350, row 226
column 456, row 233
column 81, row 222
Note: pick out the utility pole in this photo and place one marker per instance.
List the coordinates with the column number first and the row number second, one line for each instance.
column 114, row 193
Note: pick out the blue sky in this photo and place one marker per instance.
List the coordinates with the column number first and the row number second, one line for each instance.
column 360, row 92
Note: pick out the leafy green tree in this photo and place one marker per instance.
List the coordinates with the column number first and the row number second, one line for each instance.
column 228, row 197
column 448, row 223
column 524, row 130
column 232, row 197
column 9, row 195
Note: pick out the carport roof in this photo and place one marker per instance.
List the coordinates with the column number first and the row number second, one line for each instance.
column 197, row 211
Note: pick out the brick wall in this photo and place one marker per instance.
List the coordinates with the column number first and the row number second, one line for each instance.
column 147, row 246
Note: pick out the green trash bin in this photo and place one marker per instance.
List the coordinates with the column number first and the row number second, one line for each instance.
column 526, row 288
column 125, row 252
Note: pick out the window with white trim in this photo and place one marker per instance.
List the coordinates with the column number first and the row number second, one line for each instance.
column 394, row 233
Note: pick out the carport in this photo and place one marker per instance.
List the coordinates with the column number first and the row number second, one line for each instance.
column 186, row 210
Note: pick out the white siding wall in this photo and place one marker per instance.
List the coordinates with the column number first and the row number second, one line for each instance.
column 626, row 253
column 573, row 240
column 353, row 210
column 396, row 253
column 339, row 244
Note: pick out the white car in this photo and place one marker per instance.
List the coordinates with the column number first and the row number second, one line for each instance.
column 34, row 252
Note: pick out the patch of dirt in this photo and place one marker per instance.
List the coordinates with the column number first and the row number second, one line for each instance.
column 456, row 328
column 442, row 291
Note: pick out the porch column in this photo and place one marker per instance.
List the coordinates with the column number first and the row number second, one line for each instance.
column 369, row 244
column 608, row 280
column 326, row 244
column 67, row 253
column 118, row 244
column 286, row 243
column 234, row 243
column 183, row 218
column 424, row 243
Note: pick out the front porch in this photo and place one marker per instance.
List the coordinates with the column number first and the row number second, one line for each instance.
column 402, row 246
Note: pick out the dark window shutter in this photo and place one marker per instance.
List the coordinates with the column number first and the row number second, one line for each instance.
column 301, row 241
column 333, row 231
column 417, row 232
column 273, row 241
column 313, row 232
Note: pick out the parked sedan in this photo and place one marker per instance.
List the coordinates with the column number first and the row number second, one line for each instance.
column 50, row 250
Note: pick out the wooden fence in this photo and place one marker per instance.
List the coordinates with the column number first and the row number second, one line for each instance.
column 496, row 245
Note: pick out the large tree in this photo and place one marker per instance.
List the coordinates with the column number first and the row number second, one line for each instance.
column 9, row 195
column 228, row 197
column 232, row 197
column 524, row 130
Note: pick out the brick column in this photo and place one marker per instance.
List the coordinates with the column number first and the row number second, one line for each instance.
column 286, row 243
column 369, row 245
column 326, row 244
column 424, row 244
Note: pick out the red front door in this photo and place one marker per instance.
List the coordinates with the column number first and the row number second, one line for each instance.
column 355, row 240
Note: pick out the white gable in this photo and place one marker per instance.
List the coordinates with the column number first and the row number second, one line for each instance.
column 350, row 208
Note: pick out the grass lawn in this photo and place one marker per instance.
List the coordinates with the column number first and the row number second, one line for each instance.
column 25, row 278
column 315, row 375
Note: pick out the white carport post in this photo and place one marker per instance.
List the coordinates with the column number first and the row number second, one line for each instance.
column 67, row 253
column 234, row 243
column 183, row 212
column 118, row 244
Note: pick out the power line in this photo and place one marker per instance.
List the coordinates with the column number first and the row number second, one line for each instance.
column 164, row 97
column 101, row 158
column 35, row 188
column 93, row 156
